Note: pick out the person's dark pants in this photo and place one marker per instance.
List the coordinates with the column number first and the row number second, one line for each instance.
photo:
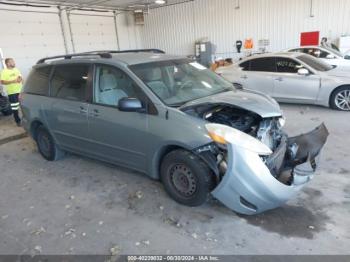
column 15, row 107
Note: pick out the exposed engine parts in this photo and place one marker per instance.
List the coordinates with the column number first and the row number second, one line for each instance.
column 267, row 130
column 239, row 119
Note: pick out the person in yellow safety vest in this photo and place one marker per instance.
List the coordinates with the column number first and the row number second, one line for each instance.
column 11, row 78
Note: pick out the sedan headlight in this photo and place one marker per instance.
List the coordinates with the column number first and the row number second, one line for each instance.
column 224, row 134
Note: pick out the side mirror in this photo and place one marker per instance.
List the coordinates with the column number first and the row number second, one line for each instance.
column 347, row 57
column 303, row 72
column 127, row 104
column 330, row 56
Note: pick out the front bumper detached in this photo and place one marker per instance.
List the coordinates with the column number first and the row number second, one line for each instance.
column 252, row 185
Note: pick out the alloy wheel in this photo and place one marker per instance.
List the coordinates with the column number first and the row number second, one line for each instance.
column 342, row 100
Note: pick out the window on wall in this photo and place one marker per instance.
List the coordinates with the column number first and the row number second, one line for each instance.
column 70, row 82
column 287, row 65
column 265, row 64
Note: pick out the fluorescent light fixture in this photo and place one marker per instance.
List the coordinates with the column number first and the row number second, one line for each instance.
column 160, row 2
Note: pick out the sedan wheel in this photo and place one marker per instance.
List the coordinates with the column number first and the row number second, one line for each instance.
column 340, row 99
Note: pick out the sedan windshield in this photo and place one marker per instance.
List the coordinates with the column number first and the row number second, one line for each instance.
column 176, row 82
column 315, row 63
column 336, row 52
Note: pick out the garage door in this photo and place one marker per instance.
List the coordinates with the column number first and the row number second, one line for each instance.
column 28, row 36
column 93, row 32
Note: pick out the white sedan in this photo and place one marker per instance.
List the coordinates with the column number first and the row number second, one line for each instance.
column 327, row 54
column 292, row 78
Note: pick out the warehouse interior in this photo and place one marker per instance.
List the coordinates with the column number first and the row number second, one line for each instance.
column 60, row 27
column 80, row 205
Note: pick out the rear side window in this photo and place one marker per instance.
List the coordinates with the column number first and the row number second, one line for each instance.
column 38, row 81
column 266, row 64
column 287, row 65
column 70, row 82
column 245, row 65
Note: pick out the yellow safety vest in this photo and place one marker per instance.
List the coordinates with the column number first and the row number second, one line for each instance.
column 9, row 75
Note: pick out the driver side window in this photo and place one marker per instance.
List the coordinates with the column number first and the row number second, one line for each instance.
column 111, row 84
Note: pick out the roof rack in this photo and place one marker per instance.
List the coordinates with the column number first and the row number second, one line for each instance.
column 102, row 54
column 156, row 51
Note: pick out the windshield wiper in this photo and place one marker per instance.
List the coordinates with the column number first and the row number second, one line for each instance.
column 177, row 104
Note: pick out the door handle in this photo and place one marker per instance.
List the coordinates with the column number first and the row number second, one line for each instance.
column 279, row 79
column 244, row 77
column 83, row 110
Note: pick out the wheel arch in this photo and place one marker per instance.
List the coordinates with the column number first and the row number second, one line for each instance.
column 159, row 155
column 35, row 124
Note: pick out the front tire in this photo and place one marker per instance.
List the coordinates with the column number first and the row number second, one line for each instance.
column 186, row 178
column 340, row 99
column 47, row 146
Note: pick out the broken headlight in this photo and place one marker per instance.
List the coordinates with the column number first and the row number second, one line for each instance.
column 222, row 134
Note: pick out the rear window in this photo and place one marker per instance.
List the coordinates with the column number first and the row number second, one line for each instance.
column 70, row 82
column 38, row 81
column 266, row 64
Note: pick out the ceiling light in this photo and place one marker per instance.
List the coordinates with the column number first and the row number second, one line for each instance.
column 160, row 2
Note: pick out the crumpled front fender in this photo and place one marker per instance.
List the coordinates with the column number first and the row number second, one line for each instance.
column 248, row 187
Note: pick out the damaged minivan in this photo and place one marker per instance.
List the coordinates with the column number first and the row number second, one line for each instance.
column 173, row 119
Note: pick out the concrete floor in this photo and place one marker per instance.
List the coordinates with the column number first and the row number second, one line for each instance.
column 81, row 206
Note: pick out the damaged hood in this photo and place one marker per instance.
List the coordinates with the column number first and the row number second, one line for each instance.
column 256, row 102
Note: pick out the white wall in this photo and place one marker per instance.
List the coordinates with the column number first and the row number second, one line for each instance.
column 176, row 28
column 28, row 34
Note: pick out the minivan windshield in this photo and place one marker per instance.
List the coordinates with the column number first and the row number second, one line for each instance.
column 177, row 82
column 315, row 63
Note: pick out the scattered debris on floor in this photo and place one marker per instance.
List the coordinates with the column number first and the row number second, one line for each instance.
column 139, row 194
column 38, row 249
column 38, row 231
column 194, row 235
column 70, row 232
column 146, row 242
column 115, row 250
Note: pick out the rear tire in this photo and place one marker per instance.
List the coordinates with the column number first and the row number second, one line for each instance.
column 186, row 178
column 340, row 99
column 47, row 146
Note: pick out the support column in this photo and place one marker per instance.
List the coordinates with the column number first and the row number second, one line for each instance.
column 62, row 29
column 116, row 28
column 70, row 30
